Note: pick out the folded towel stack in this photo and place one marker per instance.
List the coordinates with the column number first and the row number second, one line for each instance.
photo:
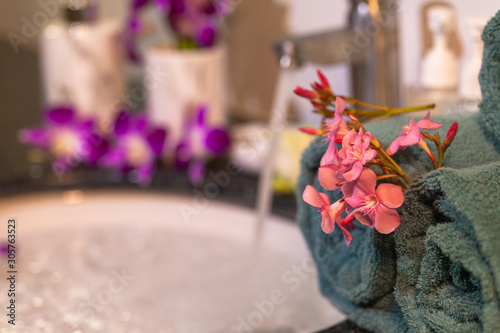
column 448, row 250
column 444, row 259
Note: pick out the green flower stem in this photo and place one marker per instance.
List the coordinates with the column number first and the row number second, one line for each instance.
column 393, row 163
column 437, row 141
column 386, row 177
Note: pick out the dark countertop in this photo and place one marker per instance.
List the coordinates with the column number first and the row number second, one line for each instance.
column 20, row 105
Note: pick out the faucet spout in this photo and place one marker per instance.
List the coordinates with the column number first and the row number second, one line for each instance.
column 369, row 45
column 323, row 48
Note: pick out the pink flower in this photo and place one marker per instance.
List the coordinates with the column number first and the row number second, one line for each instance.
column 333, row 131
column 337, row 128
column 331, row 213
column 371, row 207
column 412, row 134
column 355, row 153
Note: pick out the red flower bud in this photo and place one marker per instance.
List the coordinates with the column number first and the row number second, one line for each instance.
column 305, row 93
column 312, row 131
column 450, row 135
column 323, row 79
column 316, row 86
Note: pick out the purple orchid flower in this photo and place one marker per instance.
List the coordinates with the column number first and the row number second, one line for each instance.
column 194, row 22
column 134, row 25
column 200, row 142
column 137, row 146
column 69, row 139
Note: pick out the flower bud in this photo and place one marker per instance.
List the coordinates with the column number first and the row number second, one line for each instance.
column 450, row 136
column 323, row 79
column 312, row 131
column 305, row 93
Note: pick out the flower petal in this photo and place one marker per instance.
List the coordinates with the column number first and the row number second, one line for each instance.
column 156, row 140
column 386, row 219
column 348, row 189
column 411, row 138
column 36, row 136
column 115, row 158
column 358, row 197
column 428, row 124
column 355, row 172
column 327, row 177
column 390, row 195
column 349, row 138
column 367, row 180
column 369, row 155
column 312, row 197
column 122, row 123
column 327, row 225
column 364, row 219
column 206, row 35
column 330, row 155
column 347, row 235
column 217, row 141
column 325, row 198
column 393, row 148
column 339, row 105
column 60, row 116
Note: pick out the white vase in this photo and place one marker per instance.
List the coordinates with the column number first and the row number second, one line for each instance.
column 185, row 78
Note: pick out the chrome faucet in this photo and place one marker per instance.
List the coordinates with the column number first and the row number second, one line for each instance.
column 369, row 44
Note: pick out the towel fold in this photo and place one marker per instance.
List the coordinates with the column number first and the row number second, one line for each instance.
column 448, row 249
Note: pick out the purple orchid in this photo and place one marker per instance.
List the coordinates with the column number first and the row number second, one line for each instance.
column 194, row 22
column 137, row 145
column 68, row 138
column 200, row 142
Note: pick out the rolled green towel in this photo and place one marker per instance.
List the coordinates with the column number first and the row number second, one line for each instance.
column 489, row 77
column 448, row 249
column 360, row 279
column 448, row 243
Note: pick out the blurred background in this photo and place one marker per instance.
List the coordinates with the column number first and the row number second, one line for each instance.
column 248, row 35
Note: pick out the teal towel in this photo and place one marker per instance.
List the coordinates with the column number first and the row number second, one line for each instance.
column 448, row 244
column 489, row 77
column 448, row 249
column 360, row 280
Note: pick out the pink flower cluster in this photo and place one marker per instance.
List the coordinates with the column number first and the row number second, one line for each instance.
column 346, row 168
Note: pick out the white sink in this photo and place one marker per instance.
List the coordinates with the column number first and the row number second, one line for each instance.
column 104, row 261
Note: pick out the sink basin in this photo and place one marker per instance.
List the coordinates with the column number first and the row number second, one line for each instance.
column 114, row 261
